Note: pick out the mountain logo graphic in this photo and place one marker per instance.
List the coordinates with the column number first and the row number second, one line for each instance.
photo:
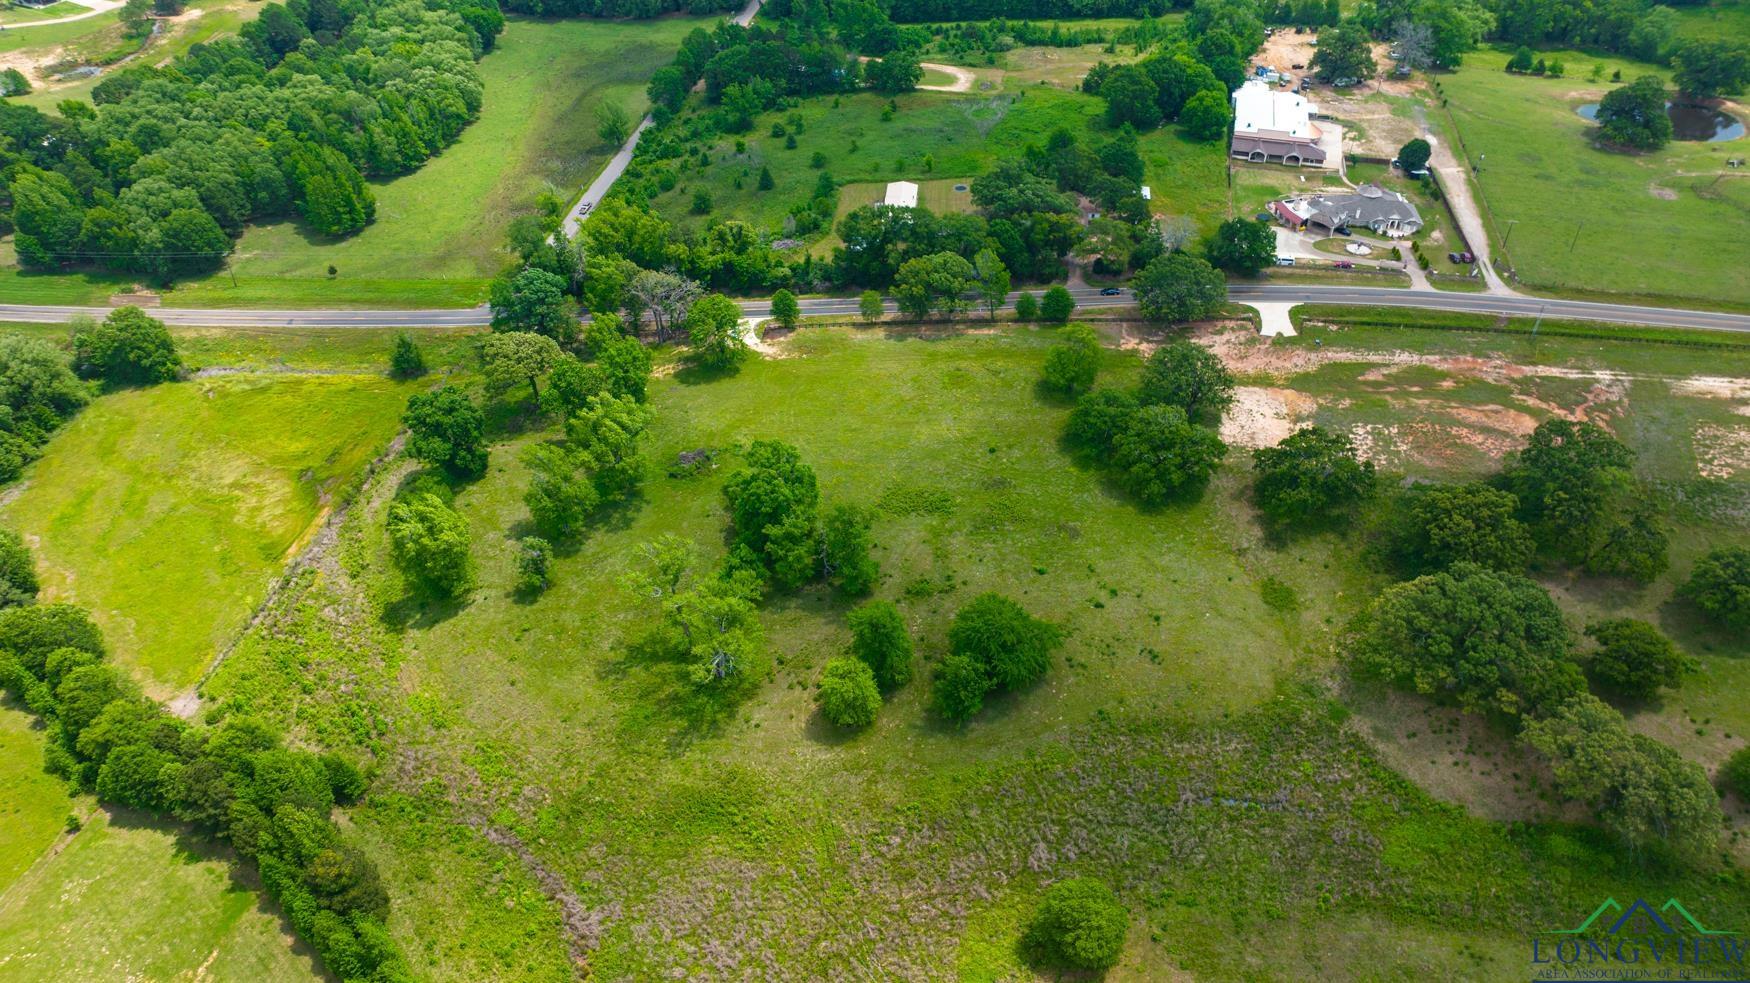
column 1670, row 918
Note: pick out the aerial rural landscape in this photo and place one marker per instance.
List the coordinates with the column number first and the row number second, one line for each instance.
column 874, row 489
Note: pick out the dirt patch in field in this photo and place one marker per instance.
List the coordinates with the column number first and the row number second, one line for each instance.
column 1712, row 387
column 1661, row 193
column 1262, row 417
column 1721, row 451
column 1454, row 756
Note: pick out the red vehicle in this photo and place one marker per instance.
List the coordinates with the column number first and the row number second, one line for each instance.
column 1343, row 264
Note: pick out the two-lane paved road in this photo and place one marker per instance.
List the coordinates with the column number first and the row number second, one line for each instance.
column 1086, row 297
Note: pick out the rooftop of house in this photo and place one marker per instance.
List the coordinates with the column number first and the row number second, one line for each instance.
column 1366, row 205
column 1259, row 109
column 902, row 193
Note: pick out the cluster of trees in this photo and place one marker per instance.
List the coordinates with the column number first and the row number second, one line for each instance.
column 999, row 35
column 1154, row 439
column 619, row 9
column 237, row 782
column 780, row 536
column 38, row 393
column 1471, row 629
column 1435, row 33
column 930, row 11
column 129, row 348
column 851, row 689
column 1188, row 83
column 993, row 644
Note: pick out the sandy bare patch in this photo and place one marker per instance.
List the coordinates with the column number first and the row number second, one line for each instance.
column 1712, row 387
column 1722, row 451
column 1661, row 193
column 1261, row 417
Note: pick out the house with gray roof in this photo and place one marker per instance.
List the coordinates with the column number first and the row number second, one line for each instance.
column 1370, row 206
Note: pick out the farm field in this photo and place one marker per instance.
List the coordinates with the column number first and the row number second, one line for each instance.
column 439, row 233
column 126, row 899
column 554, row 731
column 169, row 510
column 1666, row 223
column 962, row 136
column 34, row 805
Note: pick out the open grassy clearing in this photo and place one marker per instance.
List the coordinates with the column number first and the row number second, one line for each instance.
column 11, row 15
column 1173, row 757
column 1720, row 19
column 359, row 350
column 34, row 805
column 439, row 233
column 37, row 40
column 167, row 511
column 962, row 136
column 127, row 899
column 202, row 21
column 1668, row 223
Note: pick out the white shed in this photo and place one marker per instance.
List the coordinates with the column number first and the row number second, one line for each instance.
column 902, row 193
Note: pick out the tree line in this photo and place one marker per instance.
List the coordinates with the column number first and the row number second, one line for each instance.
column 161, row 171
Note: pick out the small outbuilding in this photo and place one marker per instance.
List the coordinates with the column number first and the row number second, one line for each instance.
column 902, row 194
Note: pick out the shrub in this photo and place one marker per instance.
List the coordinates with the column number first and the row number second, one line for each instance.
column 1057, row 305
column 848, row 695
column 1098, row 419
column 446, row 429
column 1014, row 647
column 960, row 686
column 405, row 359
column 1160, row 454
column 1311, row 475
column 18, row 584
column 1080, row 924
column 429, row 542
column 1189, row 376
column 1735, row 773
column 1071, row 365
column 879, row 638
column 128, row 349
column 844, row 550
column 1435, row 526
column 1720, row 586
column 534, row 561
column 1026, row 306
column 1634, row 659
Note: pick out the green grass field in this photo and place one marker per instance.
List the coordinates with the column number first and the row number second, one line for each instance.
column 132, row 900
column 1173, row 717
column 169, row 510
column 1720, row 19
column 12, row 15
column 1664, row 224
column 439, row 233
column 962, row 136
column 34, row 805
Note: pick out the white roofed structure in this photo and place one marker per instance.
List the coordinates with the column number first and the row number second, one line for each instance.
column 1275, row 125
column 903, row 194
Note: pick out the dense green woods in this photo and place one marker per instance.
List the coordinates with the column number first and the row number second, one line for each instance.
column 291, row 117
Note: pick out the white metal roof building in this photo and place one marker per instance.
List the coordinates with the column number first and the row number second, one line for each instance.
column 1272, row 124
column 902, row 193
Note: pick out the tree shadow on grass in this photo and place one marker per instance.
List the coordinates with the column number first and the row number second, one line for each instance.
column 821, row 731
column 1694, row 633
column 694, row 374
column 413, row 611
column 664, row 703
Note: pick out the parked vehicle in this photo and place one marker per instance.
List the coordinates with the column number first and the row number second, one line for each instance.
column 1453, row 258
column 1285, row 261
column 1111, row 292
column 1467, row 257
column 1343, row 264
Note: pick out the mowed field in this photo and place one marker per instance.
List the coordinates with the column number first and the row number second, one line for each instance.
column 934, row 136
column 168, row 511
column 1667, row 224
column 34, row 805
column 1180, row 745
column 130, row 899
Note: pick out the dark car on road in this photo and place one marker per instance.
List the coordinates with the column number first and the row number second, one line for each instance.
column 1111, row 292
column 1343, row 264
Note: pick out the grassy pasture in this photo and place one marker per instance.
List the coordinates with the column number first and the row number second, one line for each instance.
column 1663, row 224
column 167, row 511
column 34, row 805
column 24, row 15
column 1720, row 19
column 964, row 135
column 128, row 899
column 1175, row 757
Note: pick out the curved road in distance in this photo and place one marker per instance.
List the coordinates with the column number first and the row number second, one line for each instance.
column 1085, row 297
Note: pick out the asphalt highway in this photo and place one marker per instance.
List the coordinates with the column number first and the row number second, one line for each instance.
column 1085, row 297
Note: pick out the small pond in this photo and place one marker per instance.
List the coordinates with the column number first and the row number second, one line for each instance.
column 1689, row 122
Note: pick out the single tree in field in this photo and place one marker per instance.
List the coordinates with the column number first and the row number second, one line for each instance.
column 1344, row 53
column 446, row 429
column 1720, row 586
column 1413, row 156
column 534, row 561
column 534, row 300
column 429, row 542
column 405, row 359
column 1207, row 116
column 1189, row 376
column 1312, row 475
column 129, row 348
column 1080, row 924
column 1243, row 246
column 1013, row 646
column 993, row 280
column 869, row 305
column 1179, row 287
column 937, row 282
column 879, row 638
column 1634, row 115
column 605, row 435
column 848, row 696
column 1415, row 45
column 1057, row 305
column 1634, row 659
column 560, row 497
column 714, row 332
column 666, row 297
column 1071, row 365
column 612, row 123
column 1160, row 454
column 844, row 550
column 785, row 310
column 515, row 357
